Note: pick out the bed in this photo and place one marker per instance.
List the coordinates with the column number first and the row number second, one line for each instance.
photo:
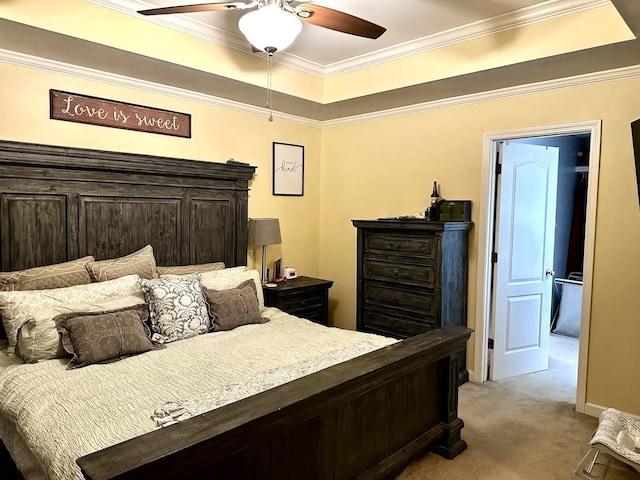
column 367, row 412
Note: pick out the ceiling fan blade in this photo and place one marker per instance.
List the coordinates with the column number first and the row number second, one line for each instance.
column 200, row 7
column 339, row 21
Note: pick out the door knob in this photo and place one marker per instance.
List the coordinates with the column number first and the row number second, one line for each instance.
column 549, row 272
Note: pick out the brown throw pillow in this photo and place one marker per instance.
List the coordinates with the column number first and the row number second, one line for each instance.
column 187, row 269
column 141, row 262
column 234, row 307
column 103, row 337
column 58, row 275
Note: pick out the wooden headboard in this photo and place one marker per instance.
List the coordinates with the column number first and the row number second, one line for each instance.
column 58, row 204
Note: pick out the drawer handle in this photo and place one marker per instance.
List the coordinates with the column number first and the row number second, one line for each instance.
column 396, row 272
column 396, row 299
column 398, row 246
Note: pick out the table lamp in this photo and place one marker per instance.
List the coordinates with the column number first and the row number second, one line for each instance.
column 263, row 232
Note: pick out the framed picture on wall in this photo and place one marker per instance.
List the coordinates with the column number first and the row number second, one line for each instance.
column 288, row 169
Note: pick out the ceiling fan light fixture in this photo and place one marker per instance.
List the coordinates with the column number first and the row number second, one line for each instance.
column 270, row 27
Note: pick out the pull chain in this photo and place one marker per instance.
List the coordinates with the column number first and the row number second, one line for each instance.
column 269, row 55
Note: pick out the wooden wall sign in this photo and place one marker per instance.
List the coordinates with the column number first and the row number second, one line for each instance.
column 74, row 107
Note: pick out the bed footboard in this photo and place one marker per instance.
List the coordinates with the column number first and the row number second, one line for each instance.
column 365, row 418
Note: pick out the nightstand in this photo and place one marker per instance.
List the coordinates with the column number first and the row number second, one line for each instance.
column 304, row 297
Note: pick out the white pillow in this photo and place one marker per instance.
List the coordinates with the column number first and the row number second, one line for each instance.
column 38, row 338
column 229, row 278
column 19, row 307
column 223, row 272
column 232, row 280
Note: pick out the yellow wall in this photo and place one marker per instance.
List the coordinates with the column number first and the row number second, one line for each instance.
column 580, row 30
column 386, row 168
column 133, row 33
column 556, row 35
column 383, row 168
column 217, row 135
column 366, row 170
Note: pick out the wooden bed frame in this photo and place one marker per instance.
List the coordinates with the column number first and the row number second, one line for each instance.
column 365, row 418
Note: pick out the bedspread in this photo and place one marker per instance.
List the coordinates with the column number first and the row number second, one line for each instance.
column 64, row 414
column 172, row 412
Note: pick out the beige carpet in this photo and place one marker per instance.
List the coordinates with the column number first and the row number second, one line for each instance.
column 520, row 428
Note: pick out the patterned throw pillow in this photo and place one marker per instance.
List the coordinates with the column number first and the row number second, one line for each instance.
column 142, row 263
column 19, row 307
column 234, row 307
column 187, row 269
column 58, row 275
column 177, row 307
column 103, row 337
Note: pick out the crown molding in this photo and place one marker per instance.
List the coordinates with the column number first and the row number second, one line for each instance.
column 56, row 67
column 519, row 18
column 500, row 94
column 53, row 66
column 178, row 22
column 208, row 32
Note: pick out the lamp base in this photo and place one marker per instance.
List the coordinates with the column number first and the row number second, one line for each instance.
column 265, row 272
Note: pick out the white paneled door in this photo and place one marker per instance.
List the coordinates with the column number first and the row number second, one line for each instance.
column 523, row 274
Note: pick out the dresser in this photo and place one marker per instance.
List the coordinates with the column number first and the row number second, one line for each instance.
column 412, row 277
column 305, row 297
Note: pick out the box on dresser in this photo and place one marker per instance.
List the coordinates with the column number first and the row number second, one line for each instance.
column 455, row 210
column 412, row 277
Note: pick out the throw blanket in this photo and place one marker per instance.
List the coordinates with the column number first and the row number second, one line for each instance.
column 612, row 423
column 65, row 414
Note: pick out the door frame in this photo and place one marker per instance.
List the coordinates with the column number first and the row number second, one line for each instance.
column 486, row 225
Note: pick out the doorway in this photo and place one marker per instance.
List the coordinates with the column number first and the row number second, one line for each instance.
column 486, row 226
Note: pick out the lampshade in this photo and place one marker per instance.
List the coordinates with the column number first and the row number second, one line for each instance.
column 270, row 28
column 264, row 231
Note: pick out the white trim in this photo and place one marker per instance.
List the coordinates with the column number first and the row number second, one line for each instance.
column 485, row 243
column 53, row 66
column 518, row 18
column 482, row 28
column 179, row 23
column 486, row 223
column 21, row 59
column 594, row 410
column 500, row 94
column 587, row 267
column 207, row 32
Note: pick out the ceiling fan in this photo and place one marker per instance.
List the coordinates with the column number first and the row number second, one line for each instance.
column 276, row 23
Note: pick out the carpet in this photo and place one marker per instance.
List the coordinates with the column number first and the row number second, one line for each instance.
column 519, row 428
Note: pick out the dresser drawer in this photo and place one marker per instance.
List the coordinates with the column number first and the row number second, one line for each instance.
column 295, row 303
column 394, row 325
column 421, row 302
column 419, row 275
column 421, row 245
column 304, row 297
column 313, row 314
